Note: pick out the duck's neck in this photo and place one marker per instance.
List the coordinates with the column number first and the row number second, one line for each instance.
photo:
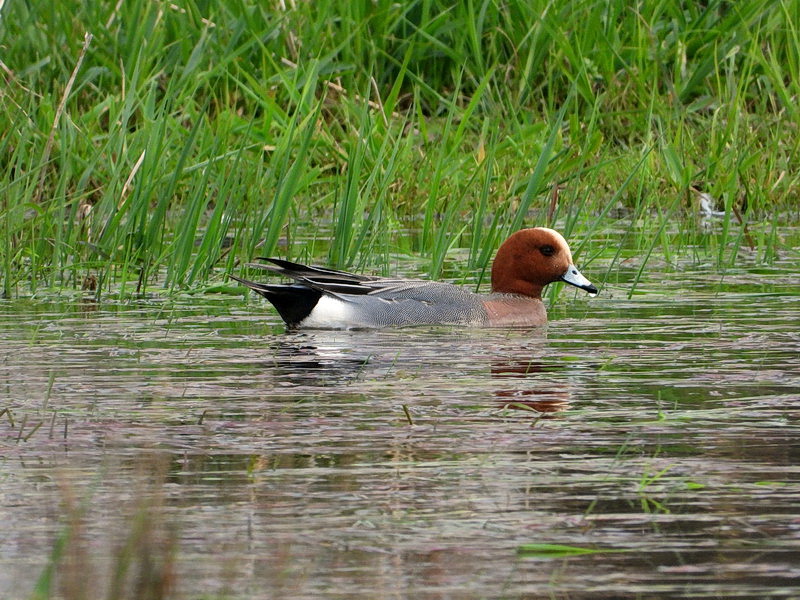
column 520, row 287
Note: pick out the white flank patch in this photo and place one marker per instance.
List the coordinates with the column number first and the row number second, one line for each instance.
column 329, row 313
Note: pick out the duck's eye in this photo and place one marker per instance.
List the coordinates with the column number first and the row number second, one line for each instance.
column 547, row 250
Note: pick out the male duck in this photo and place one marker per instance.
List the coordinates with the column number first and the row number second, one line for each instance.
column 327, row 299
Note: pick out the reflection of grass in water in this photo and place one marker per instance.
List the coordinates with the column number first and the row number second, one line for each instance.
column 651, row 500
column 182, row 141
column 143, row 558
column 649, row 494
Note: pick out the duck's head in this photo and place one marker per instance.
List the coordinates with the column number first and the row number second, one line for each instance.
column 530, row 259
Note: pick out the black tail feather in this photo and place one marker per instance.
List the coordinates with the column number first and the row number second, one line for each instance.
column 293, row 302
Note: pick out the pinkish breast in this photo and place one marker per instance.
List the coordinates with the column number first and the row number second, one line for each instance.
column 505, row 310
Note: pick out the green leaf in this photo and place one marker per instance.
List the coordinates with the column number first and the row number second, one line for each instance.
column 560, row 550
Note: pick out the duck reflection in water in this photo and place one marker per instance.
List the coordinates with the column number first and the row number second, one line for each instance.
column 313, row 364
column 327, row 359
column 528, row 389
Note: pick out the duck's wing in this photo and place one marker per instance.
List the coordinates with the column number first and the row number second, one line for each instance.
column 342, row 283
column 318, row 278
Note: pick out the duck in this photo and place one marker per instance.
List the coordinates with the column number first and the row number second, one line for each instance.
column 323, row 298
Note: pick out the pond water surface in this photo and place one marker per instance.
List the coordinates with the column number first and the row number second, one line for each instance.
column 196, row 443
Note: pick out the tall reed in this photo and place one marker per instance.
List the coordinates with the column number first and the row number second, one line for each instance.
column 179, row 140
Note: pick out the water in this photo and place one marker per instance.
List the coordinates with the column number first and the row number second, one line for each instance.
column 660, row 432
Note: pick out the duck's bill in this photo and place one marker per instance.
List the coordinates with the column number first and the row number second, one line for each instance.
column 574, row 277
